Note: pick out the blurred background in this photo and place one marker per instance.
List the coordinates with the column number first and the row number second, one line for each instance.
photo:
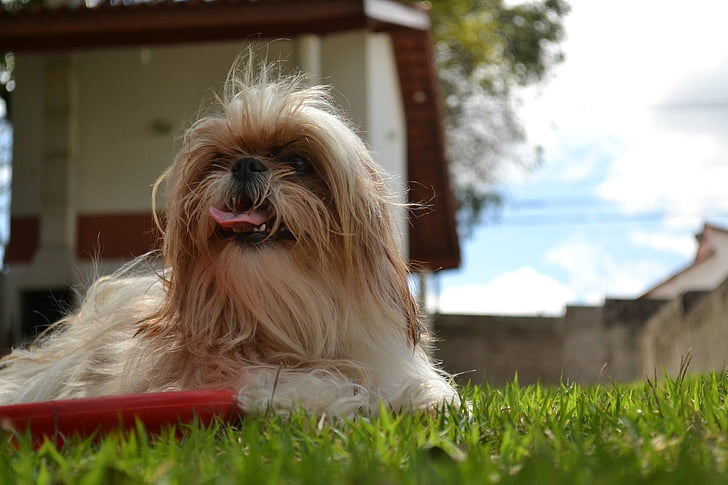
column 631, row 128
column 573, row 157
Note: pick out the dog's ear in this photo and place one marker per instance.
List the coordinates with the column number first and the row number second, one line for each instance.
column 415, row 324
column 371, row 241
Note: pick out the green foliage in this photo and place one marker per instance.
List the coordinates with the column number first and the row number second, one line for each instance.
column 498, row 46
column 7, row 59
column 668, row 432
column 7, row 81
column 485, row 50
column 16, row 4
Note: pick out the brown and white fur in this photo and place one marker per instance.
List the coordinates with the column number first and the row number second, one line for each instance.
column 311, row 310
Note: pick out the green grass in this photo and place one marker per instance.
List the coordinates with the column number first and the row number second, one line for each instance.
column 674, row 431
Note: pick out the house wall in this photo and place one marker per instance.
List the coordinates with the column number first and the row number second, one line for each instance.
column 43, row 187
column 162, row 89
column 703, row 276
column 133, row 106
column 117, row 116
column 27, row 131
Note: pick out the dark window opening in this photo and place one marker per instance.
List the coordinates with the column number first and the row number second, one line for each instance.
column 41, row 308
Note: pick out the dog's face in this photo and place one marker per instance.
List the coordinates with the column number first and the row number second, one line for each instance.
column 249, row 187
column 277, row 215
column 276, row 170
column 267, row 195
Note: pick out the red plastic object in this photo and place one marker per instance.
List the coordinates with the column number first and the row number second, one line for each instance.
column 85, row 416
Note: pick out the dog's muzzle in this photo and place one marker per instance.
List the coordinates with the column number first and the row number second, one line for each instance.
column 248, row 217
column 247, row 169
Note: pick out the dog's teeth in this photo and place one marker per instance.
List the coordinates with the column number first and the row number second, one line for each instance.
column 260, row 228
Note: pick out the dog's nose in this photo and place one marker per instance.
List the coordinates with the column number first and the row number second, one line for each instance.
column 245, row 167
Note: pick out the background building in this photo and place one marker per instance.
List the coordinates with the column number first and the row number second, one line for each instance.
column 104, row 91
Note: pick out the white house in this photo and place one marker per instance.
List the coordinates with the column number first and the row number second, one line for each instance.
column 706, row 272
column 104, row 92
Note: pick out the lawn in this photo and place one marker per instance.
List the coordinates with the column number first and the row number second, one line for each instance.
column 662, row 432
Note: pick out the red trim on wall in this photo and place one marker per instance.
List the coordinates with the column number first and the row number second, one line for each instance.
column 115, row 236
column 24, row 238
column 104, row 236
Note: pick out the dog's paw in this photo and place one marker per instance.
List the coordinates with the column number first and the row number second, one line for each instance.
column 318, row 391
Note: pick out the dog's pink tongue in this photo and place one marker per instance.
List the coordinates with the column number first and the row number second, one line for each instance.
column 228, row 219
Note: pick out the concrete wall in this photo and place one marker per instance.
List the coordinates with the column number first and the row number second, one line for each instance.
column 695, row 325
column 584, row 352
column 624, row 341
column 540, row 349
column 586, row 345
column 494, row 348
column 623, row 322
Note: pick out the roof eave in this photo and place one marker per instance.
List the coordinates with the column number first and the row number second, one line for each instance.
column 396, row 14
column 45, row 29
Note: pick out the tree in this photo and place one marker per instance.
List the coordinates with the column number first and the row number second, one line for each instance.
column 485, row 50
column 7, row 59
column 7, row 81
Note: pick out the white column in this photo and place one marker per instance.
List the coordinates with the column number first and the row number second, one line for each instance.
column 52, row 265
column 308, row 49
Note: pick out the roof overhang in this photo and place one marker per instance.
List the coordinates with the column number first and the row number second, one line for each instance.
column 114, row 23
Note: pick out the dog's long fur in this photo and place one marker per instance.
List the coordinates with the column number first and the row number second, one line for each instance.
column 316, row 312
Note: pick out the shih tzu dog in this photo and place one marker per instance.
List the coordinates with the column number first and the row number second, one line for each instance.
column 282, row 277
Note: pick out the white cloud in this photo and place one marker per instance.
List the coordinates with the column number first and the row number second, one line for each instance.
column 621, row 71
column 593, row 271
column 681, row 174
column 520, row 292
column 670, row 242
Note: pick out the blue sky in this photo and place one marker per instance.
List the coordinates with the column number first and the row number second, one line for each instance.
column 635, row 130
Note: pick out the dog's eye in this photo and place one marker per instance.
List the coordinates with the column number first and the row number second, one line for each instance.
column 299, row 164
column 218, row 161
column 218, row 157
